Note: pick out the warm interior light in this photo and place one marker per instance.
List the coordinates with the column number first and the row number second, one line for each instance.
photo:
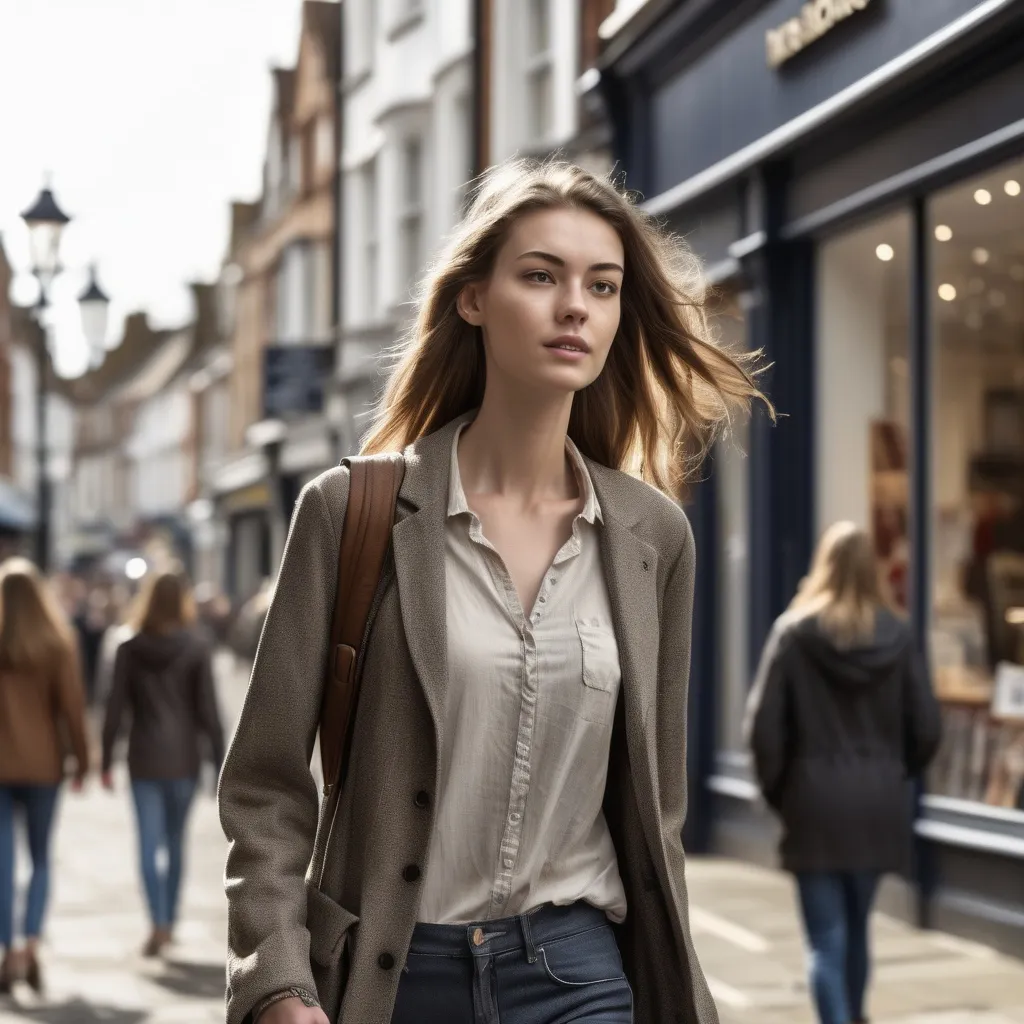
column 976, row 286
column 1017, row 272
column 980, row 256
column 943, row 232
column 983, row 197
column 1012, row 188
column 974, row 320
column 1015, row 616
column 947, row 292
column 996, row 298
column 885, row 252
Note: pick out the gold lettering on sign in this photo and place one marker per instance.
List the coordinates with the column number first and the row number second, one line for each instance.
column 815, row 19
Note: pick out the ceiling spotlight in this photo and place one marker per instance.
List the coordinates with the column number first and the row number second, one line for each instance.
column 974, row 320
column 996, row 299
column 983, row 197
column 975, row 286
column 1012, row 188
column 980, row 256
column 885, row 252
column 947, row 292
column 1017, row 272
column 943, row 232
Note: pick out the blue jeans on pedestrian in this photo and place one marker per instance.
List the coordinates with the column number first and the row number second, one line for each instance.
column 836, row 909
column 161, row 809
column 554, row 964
column 39, row 804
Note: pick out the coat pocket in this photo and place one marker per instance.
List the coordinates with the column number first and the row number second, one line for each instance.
column 329, row 925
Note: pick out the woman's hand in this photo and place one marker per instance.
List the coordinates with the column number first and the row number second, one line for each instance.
column 292, row 1011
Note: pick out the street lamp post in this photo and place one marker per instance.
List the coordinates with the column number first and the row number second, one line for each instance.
column 46, row 222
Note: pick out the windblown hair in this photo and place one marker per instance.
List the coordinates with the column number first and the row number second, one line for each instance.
column 165, row 605
column 35, row 637
column 666, row 388
column 843, row 588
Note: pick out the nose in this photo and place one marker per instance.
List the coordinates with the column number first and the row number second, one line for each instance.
column 573, row 305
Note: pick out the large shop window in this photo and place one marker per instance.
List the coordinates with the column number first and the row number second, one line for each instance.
column 863, row 411
column 976, row 235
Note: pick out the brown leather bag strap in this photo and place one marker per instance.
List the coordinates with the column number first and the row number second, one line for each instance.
column 374, row 482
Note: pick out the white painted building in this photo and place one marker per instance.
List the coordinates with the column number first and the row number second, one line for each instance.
column 407, row 154
column 543, row 92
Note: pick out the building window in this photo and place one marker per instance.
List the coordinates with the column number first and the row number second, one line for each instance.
column 411, row 216
column 539, row 70
column 371, row 241
column 325, row 157
column 296, row 298
column 863, row 467
column 976, row 637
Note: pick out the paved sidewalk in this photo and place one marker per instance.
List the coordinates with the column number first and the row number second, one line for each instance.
column 743, row 921
column 747, row 936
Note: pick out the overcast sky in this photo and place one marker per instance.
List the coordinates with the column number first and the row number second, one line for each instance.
column 151, row 115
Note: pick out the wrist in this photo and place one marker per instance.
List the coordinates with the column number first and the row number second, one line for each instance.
column 308, row 999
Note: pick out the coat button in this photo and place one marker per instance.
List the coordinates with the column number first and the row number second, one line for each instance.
column 411, row 873
column 422, row 799
column 386, row 961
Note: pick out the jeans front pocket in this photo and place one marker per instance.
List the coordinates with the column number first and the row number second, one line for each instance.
column 587, row 958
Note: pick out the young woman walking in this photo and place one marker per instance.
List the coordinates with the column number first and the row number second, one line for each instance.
column 163, row 677
column 41, row 702
column 841, row 719
column 507, row 843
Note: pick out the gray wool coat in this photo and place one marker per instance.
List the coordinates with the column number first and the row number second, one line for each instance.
column 333, row 914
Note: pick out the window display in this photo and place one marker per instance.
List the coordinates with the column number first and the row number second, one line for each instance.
column 863, row 411
column 977, row 617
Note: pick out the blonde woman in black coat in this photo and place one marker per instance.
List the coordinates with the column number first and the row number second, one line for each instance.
column 840, row 720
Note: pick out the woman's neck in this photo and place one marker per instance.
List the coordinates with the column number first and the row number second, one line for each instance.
column 517, row 449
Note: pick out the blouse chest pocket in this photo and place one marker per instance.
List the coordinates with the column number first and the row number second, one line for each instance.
column 600, row 654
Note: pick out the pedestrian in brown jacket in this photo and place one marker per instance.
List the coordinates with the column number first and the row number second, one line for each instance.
column 42, row 705
column 507, row 841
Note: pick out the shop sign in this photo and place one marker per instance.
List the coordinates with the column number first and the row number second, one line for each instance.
column 815, row 19
column 294, row 379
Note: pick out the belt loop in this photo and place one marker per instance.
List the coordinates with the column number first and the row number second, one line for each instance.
column 531, row 949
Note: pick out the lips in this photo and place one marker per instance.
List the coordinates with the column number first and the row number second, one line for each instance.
column 568, row 343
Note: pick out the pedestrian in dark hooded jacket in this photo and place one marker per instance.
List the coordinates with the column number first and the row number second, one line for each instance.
column 163, row 677
column 841, row 719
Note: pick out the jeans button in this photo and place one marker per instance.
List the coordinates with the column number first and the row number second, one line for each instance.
column 386, row 961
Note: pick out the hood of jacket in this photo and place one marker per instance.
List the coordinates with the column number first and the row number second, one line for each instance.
column 864, row 665
column 159, row 652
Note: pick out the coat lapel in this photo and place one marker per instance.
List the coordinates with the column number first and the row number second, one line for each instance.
column 631, row 572
column 419, row 544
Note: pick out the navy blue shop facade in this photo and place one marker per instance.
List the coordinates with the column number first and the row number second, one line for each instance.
column 851, row 173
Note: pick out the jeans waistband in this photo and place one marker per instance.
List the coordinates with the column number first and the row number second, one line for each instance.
column 506, row 934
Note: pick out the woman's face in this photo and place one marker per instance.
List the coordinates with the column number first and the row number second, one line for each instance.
column 550, row 308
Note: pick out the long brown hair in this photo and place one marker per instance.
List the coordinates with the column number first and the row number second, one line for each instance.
column 666, row 388
column 843, row 588
column 35, row 637
column 165, row 605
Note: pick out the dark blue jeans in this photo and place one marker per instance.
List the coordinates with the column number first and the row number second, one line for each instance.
column 161, row 808
column 556, row 964
column 38, row 804
column 836, row 910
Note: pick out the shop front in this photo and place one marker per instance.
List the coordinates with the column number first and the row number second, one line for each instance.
column 852, row 173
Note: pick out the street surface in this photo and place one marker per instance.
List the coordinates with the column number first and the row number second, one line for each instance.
column 742, row 917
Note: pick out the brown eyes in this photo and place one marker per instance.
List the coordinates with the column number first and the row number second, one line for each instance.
column 602, row 288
